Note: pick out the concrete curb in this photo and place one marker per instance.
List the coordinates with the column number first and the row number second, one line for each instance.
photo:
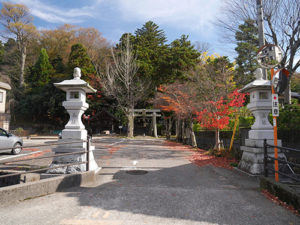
column 282, row 191
column 15, row 193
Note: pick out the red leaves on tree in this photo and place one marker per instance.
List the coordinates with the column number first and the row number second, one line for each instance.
column 177, row 98
column 95, row 82
column 236, row 98
column 216, row 114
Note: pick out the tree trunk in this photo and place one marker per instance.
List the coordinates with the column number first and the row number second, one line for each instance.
column 178, row 130
column 130, row 117
column 217, row 136
column 287, row 94
column 23, row 59
column 192, row 135
column 183, row 131
column 168, row 128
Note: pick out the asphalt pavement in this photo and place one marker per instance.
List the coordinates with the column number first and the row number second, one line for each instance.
column 172, row 191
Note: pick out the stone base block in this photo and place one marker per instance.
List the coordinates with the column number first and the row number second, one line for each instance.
column 260, row 143
column 74, row 134
column 61, row 161
column 253, row 159
column 261, row 134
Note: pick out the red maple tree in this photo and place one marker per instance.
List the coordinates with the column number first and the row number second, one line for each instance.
column 178, row 98
column 216, row 114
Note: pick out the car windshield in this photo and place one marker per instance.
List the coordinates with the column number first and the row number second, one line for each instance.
column 3, row 132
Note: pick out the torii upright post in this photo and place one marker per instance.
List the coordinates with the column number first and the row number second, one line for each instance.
column 154, row 124
column 149, row 113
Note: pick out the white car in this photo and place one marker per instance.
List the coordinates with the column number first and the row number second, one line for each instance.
column 10, row 142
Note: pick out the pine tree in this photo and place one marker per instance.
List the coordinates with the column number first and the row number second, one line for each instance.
column 41, row 71
column 58, row 64
column 152, row 51
column 79, row 58
column 183, row 57
column 247, row 46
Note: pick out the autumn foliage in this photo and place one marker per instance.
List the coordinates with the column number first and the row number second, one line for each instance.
column 216, row 114
column 178, row 98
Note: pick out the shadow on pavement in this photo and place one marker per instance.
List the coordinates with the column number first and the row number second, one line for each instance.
column 183, row 193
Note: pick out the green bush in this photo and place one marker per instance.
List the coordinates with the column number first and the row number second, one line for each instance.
column 289, row 117
column 246, row 121
column 19, row 131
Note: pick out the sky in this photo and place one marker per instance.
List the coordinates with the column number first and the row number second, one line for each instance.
column 112, row 18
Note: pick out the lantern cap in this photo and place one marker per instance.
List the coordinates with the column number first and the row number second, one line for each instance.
column 75, row 83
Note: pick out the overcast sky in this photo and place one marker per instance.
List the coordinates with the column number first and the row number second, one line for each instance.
column 115, row 17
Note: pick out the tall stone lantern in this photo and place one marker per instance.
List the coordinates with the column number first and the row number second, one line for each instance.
column 74, row 131
column 260, row 106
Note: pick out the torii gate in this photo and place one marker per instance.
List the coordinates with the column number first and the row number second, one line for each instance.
column 149, row 113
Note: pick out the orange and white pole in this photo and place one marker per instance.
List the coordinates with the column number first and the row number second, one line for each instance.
column 275, row 136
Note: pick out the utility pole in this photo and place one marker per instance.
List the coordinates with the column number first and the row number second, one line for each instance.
column 260, row 23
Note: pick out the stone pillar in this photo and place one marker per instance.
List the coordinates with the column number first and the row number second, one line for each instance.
column 74, row 131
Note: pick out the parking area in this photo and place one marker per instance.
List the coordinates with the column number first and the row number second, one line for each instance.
column 171, row 190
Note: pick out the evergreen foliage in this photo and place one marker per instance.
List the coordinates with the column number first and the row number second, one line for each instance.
column 247, row 46
column 183, row 57
column 58, row 64
column 41, row 71
column 296, row 83
column 152, row 51
column 289, row 117
column 79, row 58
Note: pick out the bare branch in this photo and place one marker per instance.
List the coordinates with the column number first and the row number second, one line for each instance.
column 121, row 80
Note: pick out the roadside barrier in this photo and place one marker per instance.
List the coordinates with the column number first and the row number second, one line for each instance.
column 7, row 163
column 289, row 166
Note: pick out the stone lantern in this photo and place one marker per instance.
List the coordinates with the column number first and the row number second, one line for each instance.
column 74, row 131
column 260, row 106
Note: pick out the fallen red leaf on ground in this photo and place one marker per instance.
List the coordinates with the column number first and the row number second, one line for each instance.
column 200, row 156
column 41, row 153
column 30, row 149
column 277, row 201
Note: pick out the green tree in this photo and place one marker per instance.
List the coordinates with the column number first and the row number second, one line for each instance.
column 247, row 46
column 58, row 64
column 161, row 62
column 152, row 52
column 289, row 117
column 41, row 71
column 296, row 83
column 79, row 58
column 183, row 57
